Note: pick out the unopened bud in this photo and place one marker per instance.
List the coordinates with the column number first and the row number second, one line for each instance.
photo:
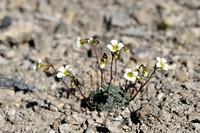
column 116, row 54
column 126, row 49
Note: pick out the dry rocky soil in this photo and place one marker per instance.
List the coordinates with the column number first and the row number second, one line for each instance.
column 37, row 102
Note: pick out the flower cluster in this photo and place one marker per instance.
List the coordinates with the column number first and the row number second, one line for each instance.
column 132, row 77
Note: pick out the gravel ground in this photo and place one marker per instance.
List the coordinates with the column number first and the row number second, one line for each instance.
column 47, row 30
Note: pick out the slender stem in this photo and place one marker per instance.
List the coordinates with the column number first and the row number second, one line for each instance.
column 96, row 56
column 104, row 74
column 101, row 77
column 64, row 83
column 101, row 51
column 115, row 69
column 111, row 77
column 82, row 93
column 126, row 86
column 69, row 89
column 98, row 62
column 142, row 85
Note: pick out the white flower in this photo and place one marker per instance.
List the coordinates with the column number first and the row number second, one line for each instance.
column 130, row 75
column 64, row 71
column 162, row 63
column 115, row 46
column 38, row 65
column 78, row 42
column 90, row 40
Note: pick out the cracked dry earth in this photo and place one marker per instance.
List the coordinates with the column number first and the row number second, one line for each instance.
column 37, row 102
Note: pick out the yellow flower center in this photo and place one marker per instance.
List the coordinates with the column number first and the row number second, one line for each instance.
column 66, row 72
column 115, row 47
column 162, row 64
column 130, row 74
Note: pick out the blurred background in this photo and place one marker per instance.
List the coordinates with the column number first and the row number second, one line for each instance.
column 47, row 30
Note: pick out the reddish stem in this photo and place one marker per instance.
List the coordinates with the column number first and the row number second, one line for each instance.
column 111, row 77
column 142, row 85
column 96, row 56
column 82, row 93
column 64, row 83
column 115, row 69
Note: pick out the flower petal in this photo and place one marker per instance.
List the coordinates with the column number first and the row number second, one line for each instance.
column 128, row 70
column 39, row 61
column 121, row 45
column 163, row 60
column 135, row 73
column 166, row 67
column 133, row 79
column 126, row 77
column 158, row 64
column 35, row 68
column 78, row 43
column 67, row 67
column 158, row 59
column 114, row 42
column 60, row 75
column 78, row 38
column 110, row 47
column 61, row 69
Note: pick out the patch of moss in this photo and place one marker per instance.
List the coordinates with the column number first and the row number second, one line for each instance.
column 108, row 99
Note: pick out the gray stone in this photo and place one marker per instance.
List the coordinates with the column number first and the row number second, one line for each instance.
column 55, row 124
column 134, row 31
column 61, row 30
column 6, row 22
column 91, row 129
column 19, row 32
column 181, row 77
column 12, row 83
column 120, row 19
column 190, row 85
column 114, row 126
column 75, row 118
column 160, row 96
column 53, row 108
column 145, row 12
column 65, row 128
column 10, row 54
column 3, row 61
column 194, row 116
column 198, row 17
column 26, row 64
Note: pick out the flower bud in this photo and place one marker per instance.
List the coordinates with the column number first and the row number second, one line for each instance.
column 126, row 49
column 116, row 54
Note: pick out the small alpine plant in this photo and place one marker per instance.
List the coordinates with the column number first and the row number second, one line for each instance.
column 107, row 96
